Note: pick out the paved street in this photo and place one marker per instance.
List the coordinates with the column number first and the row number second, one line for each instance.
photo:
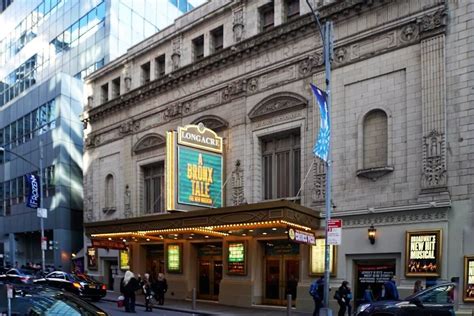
column 112, row 309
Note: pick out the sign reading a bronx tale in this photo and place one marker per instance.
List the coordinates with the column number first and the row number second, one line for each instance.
column 423, row 253
column 194, row 153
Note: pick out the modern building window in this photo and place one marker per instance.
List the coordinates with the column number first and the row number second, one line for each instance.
column 198, row 47
column 281, row 164
column 21, row 189
column 2, row 200
column 109, row 192
column 14, row 191
column 375, row 139
column 160, row 66
column 267, row 17
column 154, row 182
column 116, row 88
column 292, row 8
column 104, row 93
column 217, row 38
column 145, row 73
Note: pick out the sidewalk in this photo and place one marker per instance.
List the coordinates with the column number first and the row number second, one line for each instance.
column 209, row 308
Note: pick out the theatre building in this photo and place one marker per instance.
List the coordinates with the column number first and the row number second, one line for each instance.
column 199, row 163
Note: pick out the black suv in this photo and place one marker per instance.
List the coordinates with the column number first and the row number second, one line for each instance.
column 434, row 301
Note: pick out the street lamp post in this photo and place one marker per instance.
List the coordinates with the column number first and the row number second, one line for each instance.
column 40, row 169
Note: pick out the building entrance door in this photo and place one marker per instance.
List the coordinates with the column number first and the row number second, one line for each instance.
column 209, row 271
column 370, row 276
column 155, row 262
column 282, row 272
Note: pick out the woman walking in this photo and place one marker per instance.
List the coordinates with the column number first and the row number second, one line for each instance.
column 128, row 286
column 161, row 286
column 146, row 286
column 418, row 287
column 341, row 297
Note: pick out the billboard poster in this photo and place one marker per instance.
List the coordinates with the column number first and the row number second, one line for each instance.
column 199, row 177
column 236, row 260
column 92, row 258
column 423, row 253
column 173, row 258
column 33, row 198
column 124, row 260
column 317, row 257
column 469, row 279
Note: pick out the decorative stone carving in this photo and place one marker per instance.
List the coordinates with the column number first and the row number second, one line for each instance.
column 430, row 22
column 277, row 103
column 434, row 165
column 341, row 54
column 127, row 78
column 238, row 197
column 92, row 141
column 127, row 202
column 318, row 193
column 374, row 173
column 238, row 23
column 176, row 55
column 129, row 127
column 90, row 102
column 177, row 109
column 409, row 32
column 310, row 63
column 252, row 85
column 149, row 142
column 211, row 121
column 89, row 214
column 234, row 88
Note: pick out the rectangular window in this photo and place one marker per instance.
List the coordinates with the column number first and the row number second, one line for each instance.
column 217, row 36
column 160, row 66
column 198, row 47
column 154, row 182
column 27, row 133
column 104, row 93
column 292, row 8
column 2, row 210
column 20, row 130
column 145, row 73
column 281, row 174
column 116, row 88
column 267, row 17
column 14, row 192
column 21, row 189
column 50, row 183
column 13, row 134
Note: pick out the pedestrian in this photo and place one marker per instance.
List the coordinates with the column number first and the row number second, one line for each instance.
column 160, row 287
column 418, row 287
column 341, row 297
column 348, row 301
column 368, row 295
column 128, row 286
column 147, row 292
column 316, row 290
column 391, row 291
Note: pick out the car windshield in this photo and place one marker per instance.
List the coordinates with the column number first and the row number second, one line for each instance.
column 442, row 294
column 84, row 278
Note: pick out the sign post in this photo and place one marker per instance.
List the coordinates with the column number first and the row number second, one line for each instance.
column 334, row 231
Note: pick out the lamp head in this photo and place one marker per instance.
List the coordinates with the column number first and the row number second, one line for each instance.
column 371, row 234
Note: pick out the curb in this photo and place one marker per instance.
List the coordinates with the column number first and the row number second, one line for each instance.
column 174, row 309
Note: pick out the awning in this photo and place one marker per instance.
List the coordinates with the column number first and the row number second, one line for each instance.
column 274, row 216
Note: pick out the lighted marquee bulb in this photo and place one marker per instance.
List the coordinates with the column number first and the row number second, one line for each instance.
column 264, row 233
column 244, row 235
column 274, row 228
column 206, row 236
column 110, row 238
column 251, row 230
column 148, row 239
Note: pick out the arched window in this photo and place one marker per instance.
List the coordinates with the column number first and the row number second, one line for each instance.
column 109, row 192
column 375, row 140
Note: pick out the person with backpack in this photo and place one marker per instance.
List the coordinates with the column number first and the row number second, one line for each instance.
column 341, row 296
column 316, row 290
column 128, row 286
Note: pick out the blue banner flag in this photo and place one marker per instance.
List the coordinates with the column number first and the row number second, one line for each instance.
column 321, row 146
column 33, row 198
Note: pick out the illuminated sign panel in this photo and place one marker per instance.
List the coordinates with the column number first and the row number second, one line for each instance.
column 423, row 253
column 317, row 255
column 173, row 258
column 194, row 171
column 124, row 260
column 469, row 279
column 92, row 258
column 236, row 260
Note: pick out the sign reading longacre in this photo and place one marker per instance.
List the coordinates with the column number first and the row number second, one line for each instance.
column 199, row 166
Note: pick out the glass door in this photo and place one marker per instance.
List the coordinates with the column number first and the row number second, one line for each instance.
column 281, row 278
column 210, row 276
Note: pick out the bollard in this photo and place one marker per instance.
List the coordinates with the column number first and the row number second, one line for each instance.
column 325, row 311
column 194, row 299
column 288, row 305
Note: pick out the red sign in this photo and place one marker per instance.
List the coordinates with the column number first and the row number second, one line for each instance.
column 108, row 244
column 335, row 223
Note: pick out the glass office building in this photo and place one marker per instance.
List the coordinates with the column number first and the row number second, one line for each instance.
column 46, row 48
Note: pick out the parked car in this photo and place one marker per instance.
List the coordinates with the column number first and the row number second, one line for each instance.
column 78, row 284
column 36, row 300
column 17, row 276
column 434, row 301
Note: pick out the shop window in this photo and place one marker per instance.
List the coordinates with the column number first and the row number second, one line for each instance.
column 109, row 192
column 145, row 73
column 267, row 17
column 104, row 93
column 160, row 66
column 281, row 161
column 292, row 8
column 116, row 88
column 217, row 37
column 198, row 47
column 375, row 139
column 154, row 182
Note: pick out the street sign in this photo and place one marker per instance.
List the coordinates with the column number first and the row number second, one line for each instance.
column 334, row 231
column 301, row 237
column 44, row 243
column 42, row 212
